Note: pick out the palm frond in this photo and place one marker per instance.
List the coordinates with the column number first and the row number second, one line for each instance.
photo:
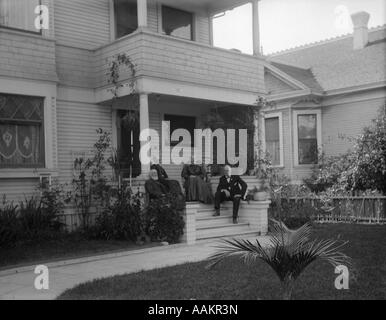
column 292, row 239
column 237, row 247
column 288, row 253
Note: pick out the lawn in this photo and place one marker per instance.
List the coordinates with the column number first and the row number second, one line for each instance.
column 66, row 247
column 232, row 280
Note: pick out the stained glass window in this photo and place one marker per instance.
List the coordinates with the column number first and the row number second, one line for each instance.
column 21, row 131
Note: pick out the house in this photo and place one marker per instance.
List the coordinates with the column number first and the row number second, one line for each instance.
column 55, row 89
column 325, row 93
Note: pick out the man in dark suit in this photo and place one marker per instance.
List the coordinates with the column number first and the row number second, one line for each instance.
column 230, row 188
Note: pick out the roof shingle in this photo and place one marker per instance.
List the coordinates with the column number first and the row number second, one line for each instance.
column 335, row 64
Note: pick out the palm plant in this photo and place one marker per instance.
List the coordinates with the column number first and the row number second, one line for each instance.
column 288, row 253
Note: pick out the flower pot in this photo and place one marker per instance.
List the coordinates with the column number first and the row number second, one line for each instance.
column 260, row 196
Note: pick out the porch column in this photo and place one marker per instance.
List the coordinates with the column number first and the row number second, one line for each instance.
column 260, row 123
column 256, row 136
column 144, row 125
column 142, row 13
column 256, row 27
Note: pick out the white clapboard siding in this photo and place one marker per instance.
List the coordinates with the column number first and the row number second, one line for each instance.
column 75, row 66
column 26, row 56
column 18, row 189
column 82, row 23
column 344, row 121
column 152, row 16
column 77, row 125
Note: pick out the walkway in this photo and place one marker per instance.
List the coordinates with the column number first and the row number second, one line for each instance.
column 67, row 274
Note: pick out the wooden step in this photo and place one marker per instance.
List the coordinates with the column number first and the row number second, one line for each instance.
column 214, row 221
column 222, row 230
column 225, row 232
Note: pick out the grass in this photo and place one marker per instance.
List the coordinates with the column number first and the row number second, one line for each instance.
column 232, row 280
column 66, row 247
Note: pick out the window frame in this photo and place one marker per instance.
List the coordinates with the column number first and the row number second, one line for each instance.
column 41, row 124
column 161, row 27
column 40, row 32
column 318, row 114
column 278, row 115
column 114, row 20
column 48, row 91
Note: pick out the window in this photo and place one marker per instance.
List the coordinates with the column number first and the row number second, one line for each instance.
column 126, row 18
column 19, row 14
column 273, row 139
column 21, row 131
column 307, row 137
column 181, row 122
column 177, row 23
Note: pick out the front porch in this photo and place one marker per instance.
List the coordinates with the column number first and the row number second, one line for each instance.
column 160, row 116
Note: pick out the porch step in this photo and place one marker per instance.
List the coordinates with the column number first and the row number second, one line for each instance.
column 207, row 213
column 202, row 222
column 225, row 231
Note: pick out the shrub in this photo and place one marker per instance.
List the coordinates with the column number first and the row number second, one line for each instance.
column 9, row 223
column 121, row 220
column 163, row 220
column 363, row 168
column 294, row 213
column 36, row 221
column 30, row 220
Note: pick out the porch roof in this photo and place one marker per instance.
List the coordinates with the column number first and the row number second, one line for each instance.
column 211, row 6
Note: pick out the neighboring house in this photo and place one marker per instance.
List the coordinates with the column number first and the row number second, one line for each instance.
column 325, row 94
column 54, row 88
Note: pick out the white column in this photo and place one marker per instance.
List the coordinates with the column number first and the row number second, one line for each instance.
column 142, row 13
column 144, row 125
column 256, row 27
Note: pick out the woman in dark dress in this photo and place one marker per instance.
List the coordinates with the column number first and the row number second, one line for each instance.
column 195, row 185
column 168, row 186
column 154, row 188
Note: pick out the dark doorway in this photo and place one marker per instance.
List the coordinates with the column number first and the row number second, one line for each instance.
column 128, row 143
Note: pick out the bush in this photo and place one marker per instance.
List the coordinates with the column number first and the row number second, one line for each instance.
column 363, row 168
column 9, row 223
column 37, row 222
column 121, row 220
column 163, row 220
column 30, row 220
column 294, row 213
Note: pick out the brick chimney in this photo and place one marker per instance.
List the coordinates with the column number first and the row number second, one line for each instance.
column 361, row 31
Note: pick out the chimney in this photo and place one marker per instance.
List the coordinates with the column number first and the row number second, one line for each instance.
column 361, row 31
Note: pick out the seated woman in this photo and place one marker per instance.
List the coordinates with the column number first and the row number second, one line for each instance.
column 154, row 188
column 195, row 185
column 164, row 186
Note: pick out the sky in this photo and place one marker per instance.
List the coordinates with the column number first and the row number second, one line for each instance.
column 286, row 24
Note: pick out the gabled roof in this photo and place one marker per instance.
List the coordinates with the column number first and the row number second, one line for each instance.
column 305, row 76
column 335, row 64
column 285, row 81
